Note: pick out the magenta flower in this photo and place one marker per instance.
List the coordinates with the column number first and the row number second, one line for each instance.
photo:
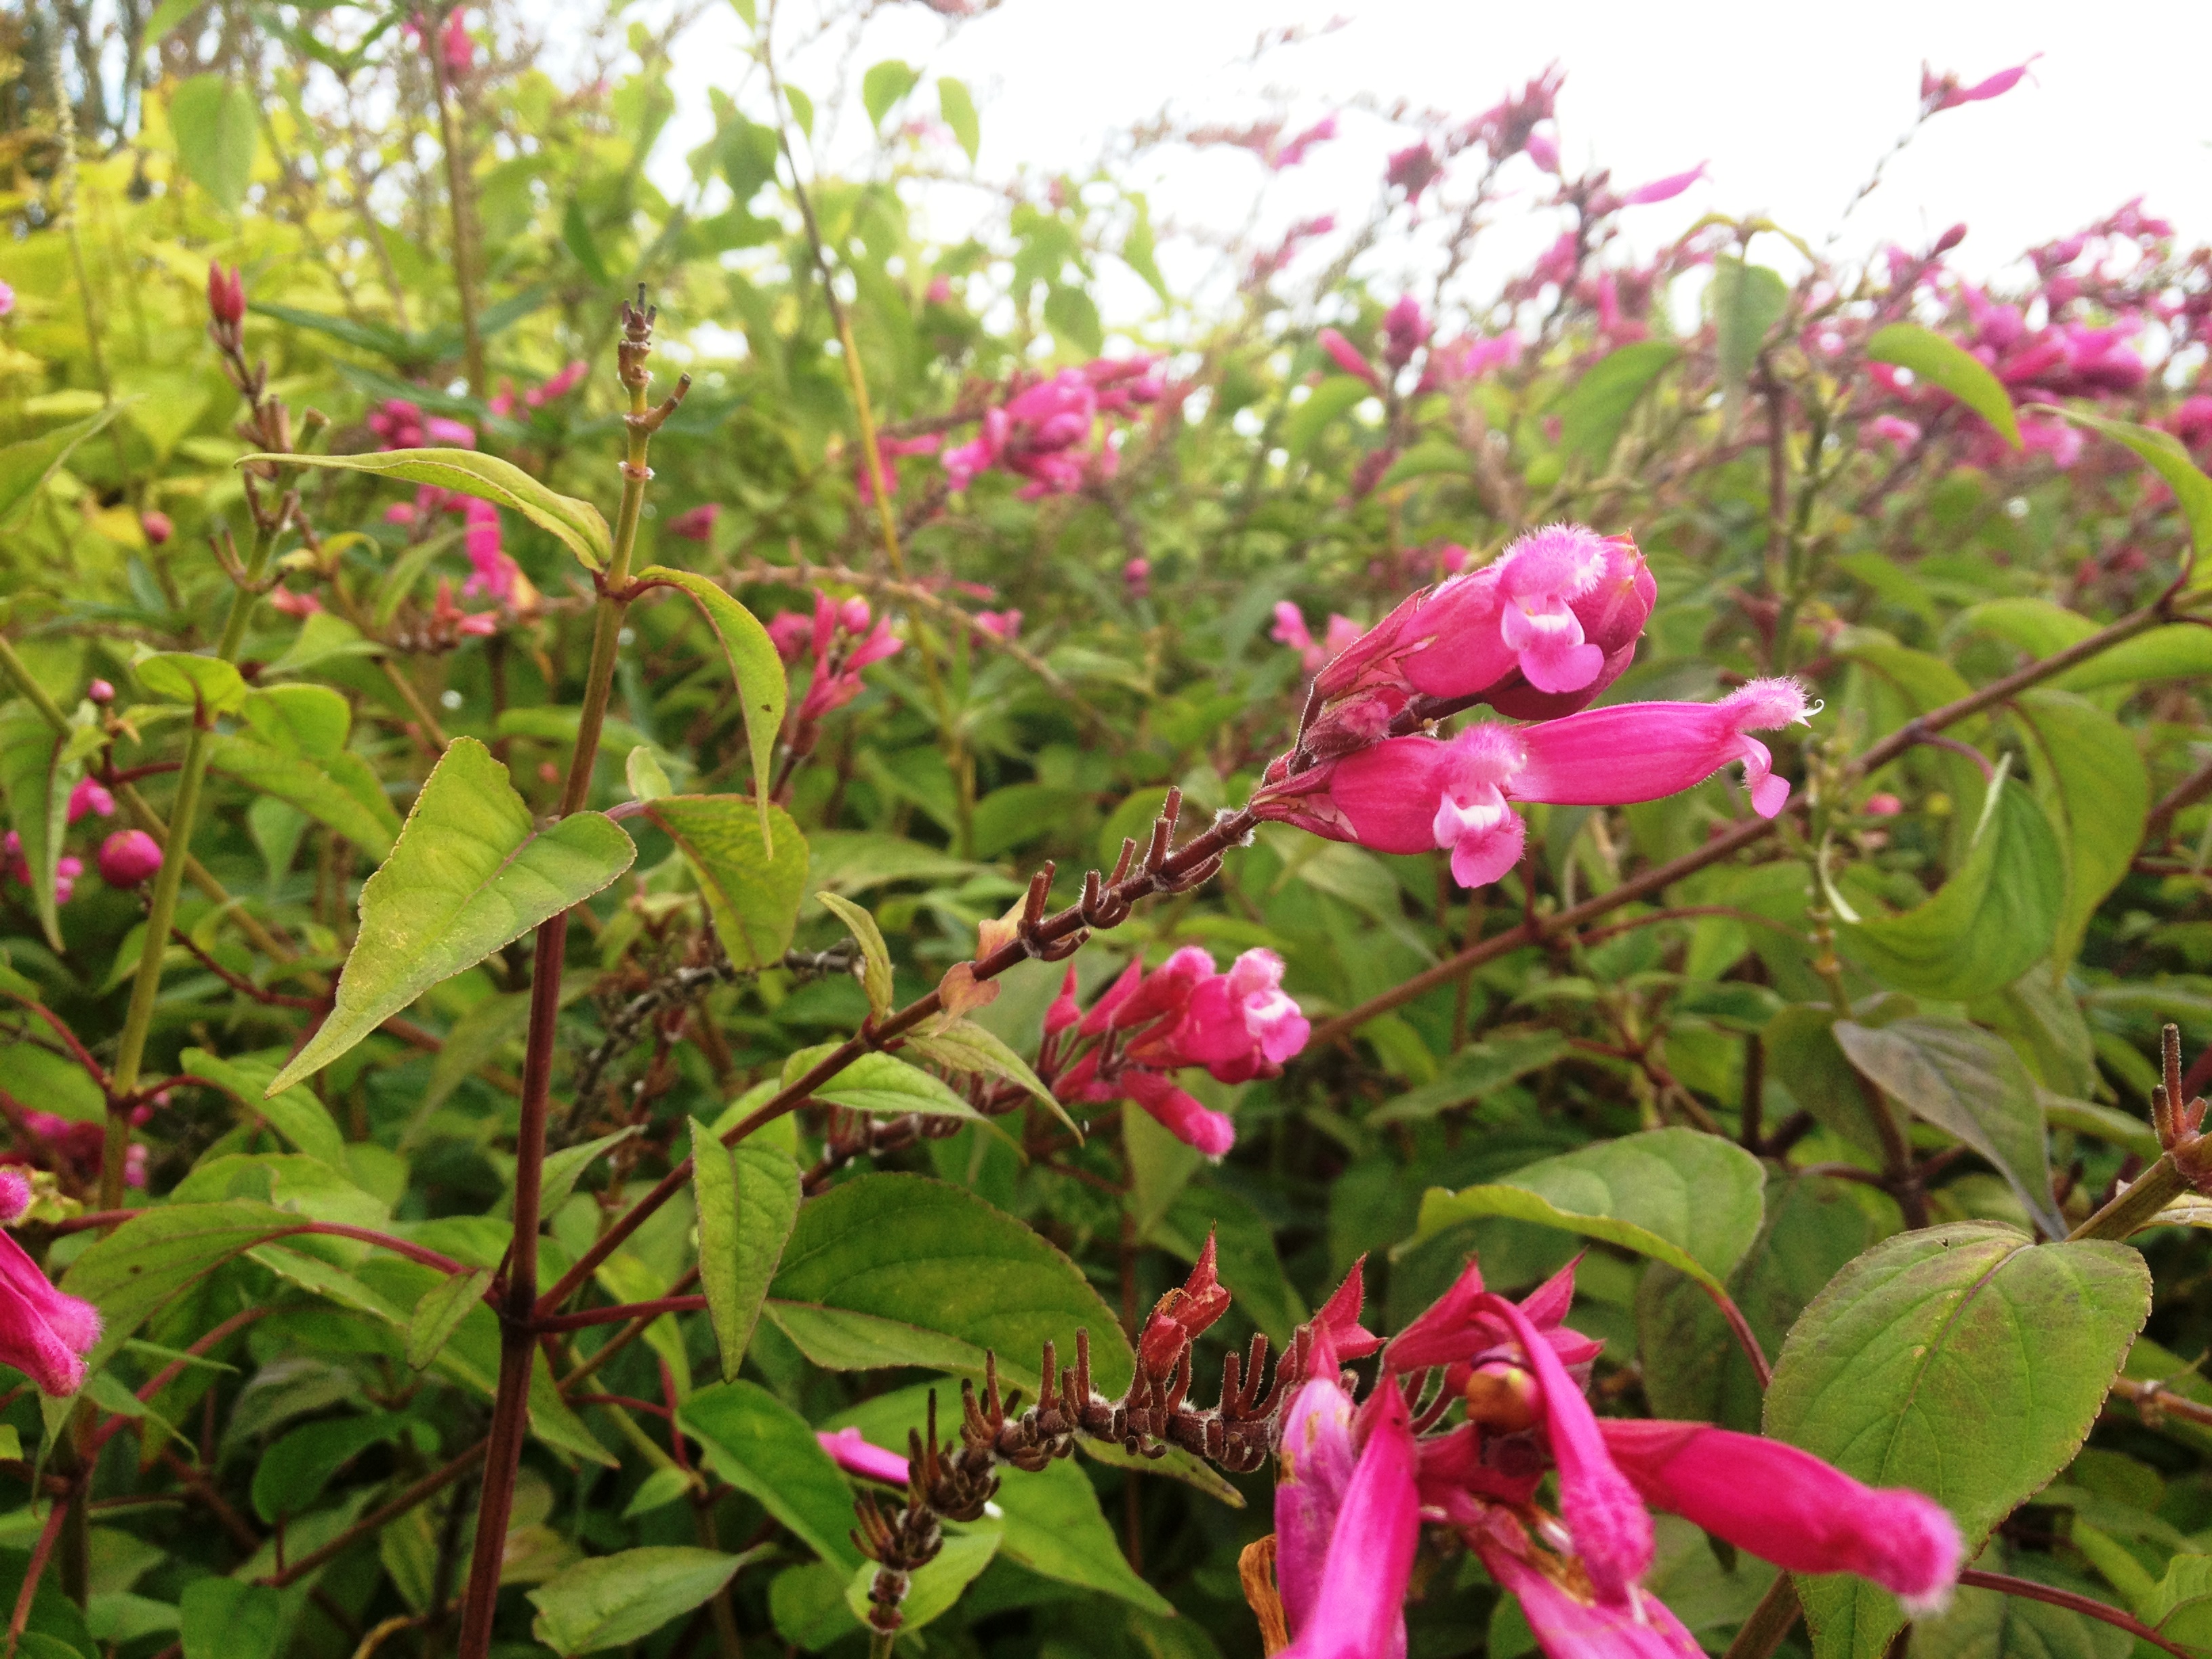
column 695, row 524
column 1406, row 329
column 839, row 638
column 1183, row 1315
column 1137, row 579
column 43, row 1333
column 1663, row 190
column 1293, row 151
column 1644, row 751
column 1544, row 151
column 889, row 449
column 1791, row 1507
column 1348, row 357
column 856, row 1454
column 1238, row 1025
column 1892, row 429
column 492, row 573
column 1353, row 1595
column 157, row 527
column 226, row 296
column 1938, row 93
column 1000, row 624
column 90, row 795
column 1566, row 1626
column 1412, row 170
column 7, row 301
column 129, row 857
column 293, row 604
column 459, row 51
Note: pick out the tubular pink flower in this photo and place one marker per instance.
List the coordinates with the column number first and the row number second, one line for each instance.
column 7, row 299
column 1404, row 330
column 43, row 1333
column 1642, row 751
column 1611, row 1530
column 1348, row 357
column 1357, row 1610
column 1942, row 93
column 1414, row 794
column 856, row 1454
column 1316, row 1463
column 1000, row 624
column 1181, row 1115
column 1064, row 1011
column 695, row 524
column 1536, row 578
column 1568, row 1627
column 1240, row 1023
column 1663, row 190
column 1791, row 1507
column 90, row 796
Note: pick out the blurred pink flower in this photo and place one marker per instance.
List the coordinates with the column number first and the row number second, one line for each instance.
column 695, row 524
column 129, row 857
column 1412, row 170
column 90, row 796
column 1938, row 93
column 854, row 1453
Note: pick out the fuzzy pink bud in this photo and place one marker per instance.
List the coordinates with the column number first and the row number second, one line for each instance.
column 129, row 857
column 157, row 527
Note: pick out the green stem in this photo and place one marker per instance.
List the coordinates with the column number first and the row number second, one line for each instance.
column 2135, row 1209
column 880, row 1642
column 161, row 908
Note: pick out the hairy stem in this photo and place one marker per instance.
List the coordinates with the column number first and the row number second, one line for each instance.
column 2134, row 1209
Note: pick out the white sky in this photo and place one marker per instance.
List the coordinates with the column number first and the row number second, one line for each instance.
column 1790, row 104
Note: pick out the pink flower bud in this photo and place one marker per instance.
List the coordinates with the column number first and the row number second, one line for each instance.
column 696, row 523
column 1137, row 579
column 1544, row 151
column 1949, row 240
column 43, row 1333
column 854, row 1453
column 1412, row 170
column 89, row 796
column 156, row 527
column 100, row 692
column 1882, row 806
column 1348, row 357
column 226, row 295
column 7, row 301
column 129, row 857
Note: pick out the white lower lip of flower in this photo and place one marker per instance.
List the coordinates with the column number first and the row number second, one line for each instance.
column 1477, row 817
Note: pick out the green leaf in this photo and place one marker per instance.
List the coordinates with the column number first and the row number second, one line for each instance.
column 291, row 1475
column 1595, row 411
column 958, row 110
column 207, row 683
column 1803, row 1056
column 325, row 790
column 1969, row 1083
column 294, row 1113
column 964, row 1046
column 1138, row 249
column 1950, row 368
column 562, row 1168
column 2179, row 1606
column 1327, row 402
column 875, row 955
column 217, row 129
column 802, row 109
column 880, row 1084
column 441, row 1311
column 763, row 1447
column 612, row 1600
column 646, row 777
column 1692, row 1200
column 228, row 1619
column 1071, row 314
column 576, row 237
column 1988, row 925
column 2096, row 790
column 1992, row 1625
column 1746, row 302
column 35, row 787
column 884, row 85
column 1480, row 1069
column 167, row 16
column 753, row 661
column 1427, row 460
column 26, row 467
column 156, row 1254
column 752, row 892
column 472, row 1040
column 471, row 870
column 379, row 337
column 1964, row 1361
column 577, row 524
column 937, row 1586
column 2164, row 453
column 738, row 1252
column 1053, row 1527
column 898, row 1270
column 2179, row 651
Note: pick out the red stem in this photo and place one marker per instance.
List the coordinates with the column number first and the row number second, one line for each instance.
column 40, row 1554
column 2028, row 1589
column 169, row 1373
column 577, row 1322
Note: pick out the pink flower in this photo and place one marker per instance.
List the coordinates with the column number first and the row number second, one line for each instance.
column 1644, row 751
column 100, row 691
column 695, row 524
column 1507, row 127
column 889, row 449
column 854, row 1453
column 791, row 630
column 459, row 51
column 226, row 296
column 1137, row 579
column 1942, row 93
column 43, row 1333
column 1892, row 429
column 1316, row 1461
column 1404, row 330
column 1348, row 357
column 939, row 292
column 452, row 434
column 90, row 795
column 1882, row 806
column 1000, row 624
column 1412, row 170
column 129, row 857
column 1416, row 794
column 839, row 639
column 1354, row 1597
column 1238, row 1025
column 492, row 573
column 2192, row 422
column 1664, row 190
column 1791, row 1508
column 294, row 604
column 1179, row 1318
column 559, row 386
column 1567, row 1626
column 1544, row 151
column 2055, row 438
column 7, row 301
column 1293, row 150
column 157, row 527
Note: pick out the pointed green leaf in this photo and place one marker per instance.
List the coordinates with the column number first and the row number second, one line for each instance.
column 339, row 790
column 646, row 777
column 217, row 127
column 884, row 85
column 441, row 1311
column 748, row 1203
column 899, row 1270
column 471, row 870
column 156, row 1254
column 1951, row 368
column 613, row 1600
column 881, row 1084
column 964, row 1046
column 564, row 1168
column 753, row 661
column 875, row 955
column 1988, row 924
column 1964, row 1361
column 577, row 524
column 802, row 109
column 1746, row 302
column 1327, row 402
column 2091, row 779
column 763, row 1447
column 294, row 1113
column 958, row 109
column 1692, row 1200
column 752, row 893
column 35, row 786
column 2164, row 453
column 26, row 467
column 1596, row 411
column 1968, row 1082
